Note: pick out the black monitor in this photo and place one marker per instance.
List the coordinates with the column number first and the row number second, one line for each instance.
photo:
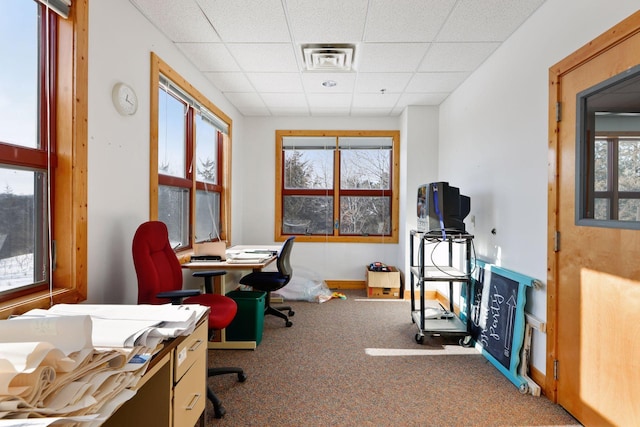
column 441, row 208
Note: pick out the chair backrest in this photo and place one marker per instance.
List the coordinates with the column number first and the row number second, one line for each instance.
column 283, row 263
column 157, row 267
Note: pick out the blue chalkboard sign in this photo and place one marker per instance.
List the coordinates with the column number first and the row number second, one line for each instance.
column 497, row 319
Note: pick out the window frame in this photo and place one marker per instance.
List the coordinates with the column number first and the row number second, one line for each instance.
column 68, row 282
column 336, row 192
column 158, row 68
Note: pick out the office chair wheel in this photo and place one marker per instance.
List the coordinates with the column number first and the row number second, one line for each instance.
column 242, row 377
column 289, row 324
column 291, row 312
column 219, row 411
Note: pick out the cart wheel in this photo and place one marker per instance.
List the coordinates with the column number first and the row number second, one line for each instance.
column 524, row 388
column 419, row 338
column 466, row 342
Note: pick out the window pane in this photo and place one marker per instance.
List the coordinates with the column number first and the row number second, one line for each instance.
column 601, row 209
column 365, row 169
column 19, row 73
column 629, row 209
column 173, row 210
column 307, row 215
column 206, row 151
column 171, row 135
column 23, row 259
column 629, row 165
column 601, row 158
column 308, row 169
column 207, row 216
column 365, row 215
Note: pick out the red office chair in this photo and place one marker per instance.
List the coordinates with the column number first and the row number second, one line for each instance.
column 160, row 279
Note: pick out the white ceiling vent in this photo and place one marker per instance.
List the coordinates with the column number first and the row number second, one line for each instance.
column 328, row 58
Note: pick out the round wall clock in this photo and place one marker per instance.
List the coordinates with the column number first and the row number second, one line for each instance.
column 124, row 99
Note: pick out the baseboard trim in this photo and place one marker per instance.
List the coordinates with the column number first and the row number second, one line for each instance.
column 346, row 284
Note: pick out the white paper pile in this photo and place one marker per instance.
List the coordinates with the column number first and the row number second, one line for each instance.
column 81, row 361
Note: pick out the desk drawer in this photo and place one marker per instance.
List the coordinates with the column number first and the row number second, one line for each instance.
column 192, row 348
column 190, row 396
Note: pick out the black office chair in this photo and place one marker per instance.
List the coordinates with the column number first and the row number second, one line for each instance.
column 269, row 281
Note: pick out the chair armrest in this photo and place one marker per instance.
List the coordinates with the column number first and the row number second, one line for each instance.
column 208, row 281
column 176, row 297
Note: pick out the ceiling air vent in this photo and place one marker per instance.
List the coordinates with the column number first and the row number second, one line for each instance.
column 328, row 58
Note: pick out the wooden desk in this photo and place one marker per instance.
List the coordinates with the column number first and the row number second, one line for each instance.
column 219, row 287
column 172, row 392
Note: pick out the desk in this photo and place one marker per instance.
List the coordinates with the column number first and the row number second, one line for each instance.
column 219, row 286
column 173, row 390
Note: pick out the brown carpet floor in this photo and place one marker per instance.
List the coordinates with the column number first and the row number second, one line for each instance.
column 331, row 368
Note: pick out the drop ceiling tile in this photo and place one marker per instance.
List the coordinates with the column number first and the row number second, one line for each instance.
column 264, row 57
column 299, row 111
column 276, row 82
column 329, row 111
column 247, row 20
column 209, row 56
column 422, row 98
column 435, row 82
column 390, row 57
column 375, row 100
column 364, row 112
column 456, row 56
column 180, row 21
column 254, row 111
column 327, row 21
column 283, row 100
column 406, row 20
column 230, row 82
column 336, row 100
column 374, row 82
column 245, row 99
column 487, row 20
column 312, row 82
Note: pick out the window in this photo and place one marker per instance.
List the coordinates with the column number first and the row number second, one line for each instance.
column 608, row 153
column 616, row 194
column 337, row 185
column 42, row 155
column 189, row 161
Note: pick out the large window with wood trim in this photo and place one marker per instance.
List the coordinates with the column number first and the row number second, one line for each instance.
column 337, row 185
column 190, row 161
column 42, row 154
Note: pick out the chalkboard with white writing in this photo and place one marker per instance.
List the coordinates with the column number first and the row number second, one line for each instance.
column 497, row 319
column 493, row 311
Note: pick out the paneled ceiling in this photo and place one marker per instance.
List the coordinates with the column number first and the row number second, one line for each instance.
column 405, row 52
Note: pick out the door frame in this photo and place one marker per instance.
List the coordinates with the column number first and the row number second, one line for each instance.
column 614, row 36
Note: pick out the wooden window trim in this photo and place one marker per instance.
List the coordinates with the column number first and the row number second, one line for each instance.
column 70, row 173
column 335, row 192
column 158, row 66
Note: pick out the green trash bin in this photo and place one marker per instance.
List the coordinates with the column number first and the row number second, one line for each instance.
column 249, row 321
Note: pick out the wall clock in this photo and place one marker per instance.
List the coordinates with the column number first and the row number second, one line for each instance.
column 124, row 99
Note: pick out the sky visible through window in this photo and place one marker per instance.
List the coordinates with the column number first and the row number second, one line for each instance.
column 18, row 88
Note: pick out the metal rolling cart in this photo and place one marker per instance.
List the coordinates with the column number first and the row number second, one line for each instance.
column 436, row 319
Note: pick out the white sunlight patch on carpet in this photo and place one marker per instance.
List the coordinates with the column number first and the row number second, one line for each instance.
column 447, row 350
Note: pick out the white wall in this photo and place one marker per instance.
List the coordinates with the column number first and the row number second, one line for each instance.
column 493, row 137
column 120, row 42
column 335, row 261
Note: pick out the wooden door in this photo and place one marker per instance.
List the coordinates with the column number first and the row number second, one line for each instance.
column 593, row 364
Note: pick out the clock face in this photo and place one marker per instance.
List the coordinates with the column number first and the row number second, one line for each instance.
column 124, row 99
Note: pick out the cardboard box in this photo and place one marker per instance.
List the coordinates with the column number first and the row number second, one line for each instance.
column 384, row 284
